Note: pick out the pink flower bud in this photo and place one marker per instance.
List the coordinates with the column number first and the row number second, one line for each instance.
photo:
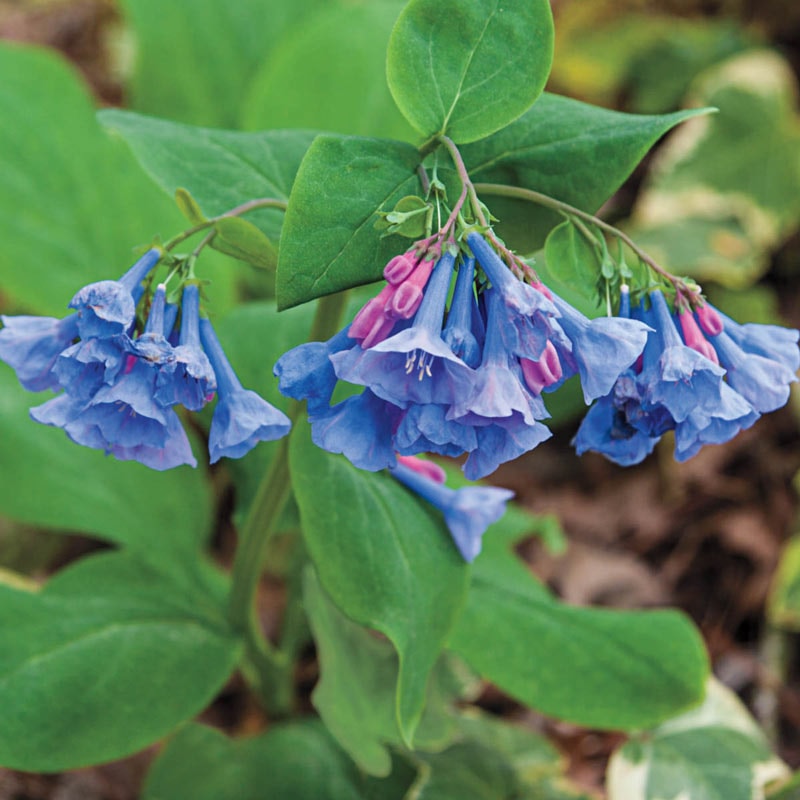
column 544, row 372
column 370, row 312
column 408, row 295
column 425, row 468
column 380, row 330
column 399, row 268
column 693, row 336
column 709, row 320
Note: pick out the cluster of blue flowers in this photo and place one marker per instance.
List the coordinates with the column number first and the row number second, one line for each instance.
column 467, row 379
column 119, row 386
column 701, row 375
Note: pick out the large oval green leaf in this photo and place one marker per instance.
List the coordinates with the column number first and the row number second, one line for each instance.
column 108, row 658
column 384, row 560
column 467, row 69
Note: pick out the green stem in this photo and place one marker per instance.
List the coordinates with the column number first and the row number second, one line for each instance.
column 517, row 192
column 244, row 208
column 267, row 667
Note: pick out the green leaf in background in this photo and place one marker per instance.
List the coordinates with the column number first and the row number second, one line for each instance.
column 329, row 241
column 194, row 60
column 294, row 761
column 72, row 203
column 593, row 666
column 110, row 656
column 728, row 182
column 789, row 790
column 715, row 752
column 783, row 608
column 468, row 69
column 385, row 561
column 572, row 258
column 51, row 482
column 241, row 239
column 356, row 691
column 575, row 152
column 329, row 74
column 221, row 169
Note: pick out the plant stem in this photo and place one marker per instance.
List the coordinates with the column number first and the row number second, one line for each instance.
column 244, row 208
column 519, row 193
column 267, row 667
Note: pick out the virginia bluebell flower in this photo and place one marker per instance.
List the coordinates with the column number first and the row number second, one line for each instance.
column 705, row 389
column 242, row 418
column 108, row 308
column 415, row 365
column 31, row 345
column 187, row 378
column 468, row 511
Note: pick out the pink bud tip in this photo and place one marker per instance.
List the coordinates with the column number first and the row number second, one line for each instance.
column 370, row 313
column 709, row 320
column 425, row 468
column 694, row 338
column 399, row 268
column 540, row 287
column 544, row 372
column 380, row 330
column 408, row 295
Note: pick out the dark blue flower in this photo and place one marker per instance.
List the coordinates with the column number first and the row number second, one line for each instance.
column 87, row 365
column 187, row 378
column 108, row 308
column 460, row 331
column 425, row 428
column 468, row 511
column 605, row 429
column 31, row 345
column 503, row 441
column 242, row 418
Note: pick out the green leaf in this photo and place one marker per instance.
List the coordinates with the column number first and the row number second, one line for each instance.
column 783, row 609
column 572, row 151
column 468, row 69
column 241, row 239
column 572, row 258
column 329, row 241
column 51, row 482
column 297, row 760
column 334, row 65
column 221, row 169
column 790, row 790
column 194, row 61
column 715, row 752
column 596, row 667
column 189, row 207
column 358, row 679
column 728, row 183
column 384, row 560
column 72, row 203
column 111, row 655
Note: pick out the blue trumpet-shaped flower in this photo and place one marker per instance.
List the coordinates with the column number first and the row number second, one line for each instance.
column 108, row 308
column 31, row 345
column 242, row 418
column 531, row 315
column 415, row 365
column 188, row 378
column 468, row 511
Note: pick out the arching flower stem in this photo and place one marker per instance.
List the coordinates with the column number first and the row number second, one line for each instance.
column 269, row 667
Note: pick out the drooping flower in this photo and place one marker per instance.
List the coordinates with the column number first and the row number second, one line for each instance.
column 108, row 308
column 242, row 418
column 468, row 511
column 31, row 345
column 415, row 365
column 188, row 378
